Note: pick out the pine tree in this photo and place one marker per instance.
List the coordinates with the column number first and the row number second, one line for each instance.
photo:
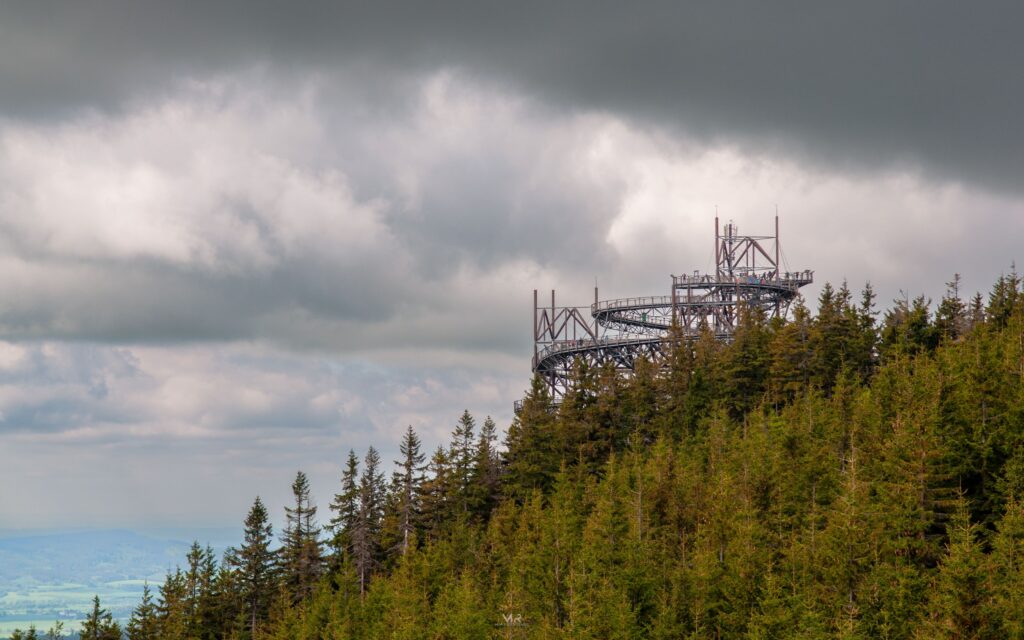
column 958, row 605
column 865, row 359
column 1003, row 298
column 99, row 624
column 437, row 495
column 366, row 533
column 346, row 508
column 674, row 382
column 301, row 553
column 198, row 602
column 31, row 634
column 790, row 355
column 226, row 618
column 458, row 614
column 461, row 455
column 172, row 610
column 254, row 564
column 976, row 314
column 407, row 481
column 56, row 632
column 951, row 316
column 746, row 362
column 908, row 329
column 845, row 546
column 839, row 336
column 1006, row 578
column 705, row 384
column 143, row 623
column 208, row 613
column 485, row 484
column 639, row 401
column 531, row 455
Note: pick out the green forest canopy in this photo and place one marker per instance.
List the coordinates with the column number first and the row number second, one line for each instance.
column 836, row 475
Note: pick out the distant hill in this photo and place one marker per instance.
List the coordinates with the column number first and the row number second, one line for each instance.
column 86, row 557
column 49, row 575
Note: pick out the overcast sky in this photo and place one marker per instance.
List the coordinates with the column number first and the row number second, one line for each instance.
column 238, row 240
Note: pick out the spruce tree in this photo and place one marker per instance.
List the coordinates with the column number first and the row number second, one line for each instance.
column 461, row 455
column 31, row 634
column 99, row 624
column 951, row 316
column 254, row 564
column 485, row 483
column 958, row 605
column 56, row 632
column 908, row 329
column 172, row 610
column 1006, row 577
column 198, row 598
column 437, row 494
column 408, row 481
column 790, row 356
column 746, row 362
column 225, row 614
column 531, row 455
column 143, row 623
column 1003, row 298
column 300, row 553
column 366, row 533
column 976, row 313
column 346, row 509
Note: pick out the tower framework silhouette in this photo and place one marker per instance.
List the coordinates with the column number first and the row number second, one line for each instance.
column 748, row 272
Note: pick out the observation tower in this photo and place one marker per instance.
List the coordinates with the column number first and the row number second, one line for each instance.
column 748, row 272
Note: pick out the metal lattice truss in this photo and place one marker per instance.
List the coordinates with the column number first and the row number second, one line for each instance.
column 747, row 273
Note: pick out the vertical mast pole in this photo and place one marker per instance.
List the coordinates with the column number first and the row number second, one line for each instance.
column 554, row 334
column 778, row 268
column 718, row 263
column 673, row 300
column 536, row 327
column 778, row 274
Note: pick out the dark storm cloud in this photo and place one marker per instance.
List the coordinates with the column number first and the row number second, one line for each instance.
column 854, row 84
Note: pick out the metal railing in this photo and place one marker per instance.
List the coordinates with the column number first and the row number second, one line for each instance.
column 631, row 303
column 578, row 346
column 806, row 275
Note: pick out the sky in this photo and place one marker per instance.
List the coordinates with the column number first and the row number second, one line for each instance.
column 238, row 239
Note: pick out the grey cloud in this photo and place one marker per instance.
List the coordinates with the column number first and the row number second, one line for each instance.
column 225, row 423
column 226, row 395
column 44, row 389
column 230, row 212
column 855, row 85
column 232, row 234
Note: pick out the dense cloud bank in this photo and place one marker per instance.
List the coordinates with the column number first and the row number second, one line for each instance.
column 243, row 240
column 862, row 85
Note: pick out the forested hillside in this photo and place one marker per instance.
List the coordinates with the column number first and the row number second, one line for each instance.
column 846, row 474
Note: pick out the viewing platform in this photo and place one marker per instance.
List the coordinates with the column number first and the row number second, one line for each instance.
column 748, row 273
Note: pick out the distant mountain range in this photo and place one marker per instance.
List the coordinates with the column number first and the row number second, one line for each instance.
column 87, row 557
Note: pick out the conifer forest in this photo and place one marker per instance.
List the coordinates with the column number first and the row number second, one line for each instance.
column 844, row 473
